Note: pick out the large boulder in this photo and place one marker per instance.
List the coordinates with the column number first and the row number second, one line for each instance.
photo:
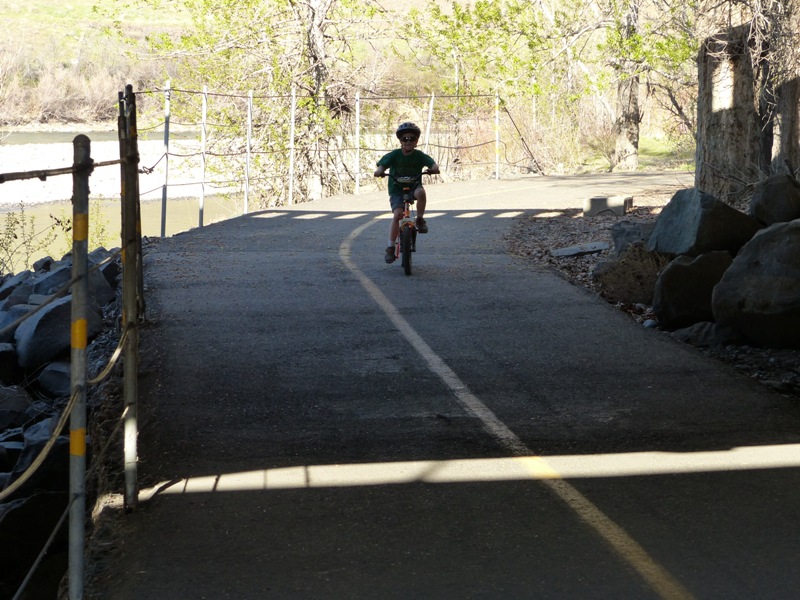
column 759, row 295
column 682, row 293
column 9, row 317
column 53, row 474
column 55, row 379
column 100, row 291
column 47, row 333
column 10, row 283
column 695, row 223
column 776, row 200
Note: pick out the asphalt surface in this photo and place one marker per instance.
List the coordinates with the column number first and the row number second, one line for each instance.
column 316, row 424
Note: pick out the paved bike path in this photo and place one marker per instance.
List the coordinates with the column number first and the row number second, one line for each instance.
column 318, row 425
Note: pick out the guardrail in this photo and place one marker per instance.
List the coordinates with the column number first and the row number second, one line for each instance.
column 465, row 133
column 133, row 311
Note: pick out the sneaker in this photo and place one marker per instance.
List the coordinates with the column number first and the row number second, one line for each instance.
column 389, row 257
column 422, row 226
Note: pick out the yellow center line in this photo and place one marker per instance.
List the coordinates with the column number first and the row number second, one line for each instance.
column 659, row 579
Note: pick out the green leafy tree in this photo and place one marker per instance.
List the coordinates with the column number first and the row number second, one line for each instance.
column 274, row 48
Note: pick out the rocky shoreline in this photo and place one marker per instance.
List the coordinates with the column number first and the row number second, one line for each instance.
column 36, row 387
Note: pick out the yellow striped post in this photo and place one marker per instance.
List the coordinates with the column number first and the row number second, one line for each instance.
column 82, row 167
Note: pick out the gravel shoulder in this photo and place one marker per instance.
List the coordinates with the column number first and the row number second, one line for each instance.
column 533, row 237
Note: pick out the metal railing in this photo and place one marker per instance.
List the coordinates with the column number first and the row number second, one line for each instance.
column 466, row 132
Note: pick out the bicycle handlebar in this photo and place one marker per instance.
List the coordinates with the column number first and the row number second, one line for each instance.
column 409, row 177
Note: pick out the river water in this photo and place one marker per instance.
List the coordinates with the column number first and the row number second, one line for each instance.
column 24, row 151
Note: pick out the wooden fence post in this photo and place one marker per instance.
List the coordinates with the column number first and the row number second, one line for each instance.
column 131, row 264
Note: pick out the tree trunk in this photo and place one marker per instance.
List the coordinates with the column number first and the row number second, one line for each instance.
column 626, row 128
column 787, row 128
column 729, row 147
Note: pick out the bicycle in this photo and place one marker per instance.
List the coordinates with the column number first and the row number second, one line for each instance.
column 406, row 241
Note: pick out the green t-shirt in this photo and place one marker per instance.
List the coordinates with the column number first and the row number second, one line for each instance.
column 401, row 165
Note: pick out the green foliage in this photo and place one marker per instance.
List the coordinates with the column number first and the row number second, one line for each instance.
column 20, row 242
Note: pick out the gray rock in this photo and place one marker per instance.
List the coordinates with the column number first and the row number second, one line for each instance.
column 19, row 295
column 43, row 264
column 695, row 223
column 100, row 291
column 47, row 334
column 759, row 295
column 7, row 318
column 682, row 294
column 626, row 233
column 10, row 283
column 52, row 281
column 6, row 331
column 14, row 402
column 9, row 368
column 110, row 270
column 776, row 200
column 55, row 379
column 580, row 249
column 709, row 335
column 52, row 474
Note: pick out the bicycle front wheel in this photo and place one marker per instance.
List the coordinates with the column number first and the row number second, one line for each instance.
column 406, row 241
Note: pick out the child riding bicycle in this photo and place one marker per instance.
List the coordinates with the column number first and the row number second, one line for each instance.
column 406, row 161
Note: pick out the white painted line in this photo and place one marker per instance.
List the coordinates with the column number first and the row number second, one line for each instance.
column 661, row 581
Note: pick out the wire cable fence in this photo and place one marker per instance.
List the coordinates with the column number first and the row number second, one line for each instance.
column 273, row 150
column 132, row 305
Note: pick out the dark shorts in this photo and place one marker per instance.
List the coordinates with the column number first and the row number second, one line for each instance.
column 396, row 201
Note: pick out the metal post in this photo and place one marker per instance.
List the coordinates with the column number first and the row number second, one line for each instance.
column 247, row 156
column 497, row 136
column 77, row 430
column 291, row 145
column 167, row 99
column 203, row 154
column 130, row 265
column 430, row 122
column 357, row 166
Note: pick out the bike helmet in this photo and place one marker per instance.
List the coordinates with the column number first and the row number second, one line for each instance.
column 408, row 127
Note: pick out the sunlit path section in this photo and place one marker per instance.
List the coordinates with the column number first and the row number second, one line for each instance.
column 490, row 469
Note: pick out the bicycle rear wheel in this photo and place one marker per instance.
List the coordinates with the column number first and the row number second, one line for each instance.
column 406, row 241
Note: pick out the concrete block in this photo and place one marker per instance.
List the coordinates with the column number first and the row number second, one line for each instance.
column 598, row 205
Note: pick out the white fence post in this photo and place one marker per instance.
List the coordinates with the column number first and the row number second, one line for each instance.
column 428, row 127
column 497, row 136
column 167, row 98
column 247, row 157
column 358, row 143
column 291, row 145
column 203, row 154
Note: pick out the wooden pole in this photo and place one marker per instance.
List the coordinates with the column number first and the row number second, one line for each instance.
column 167, row 100
column 130, row 263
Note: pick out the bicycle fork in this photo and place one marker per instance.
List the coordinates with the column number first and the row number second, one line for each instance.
column 407, row 221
